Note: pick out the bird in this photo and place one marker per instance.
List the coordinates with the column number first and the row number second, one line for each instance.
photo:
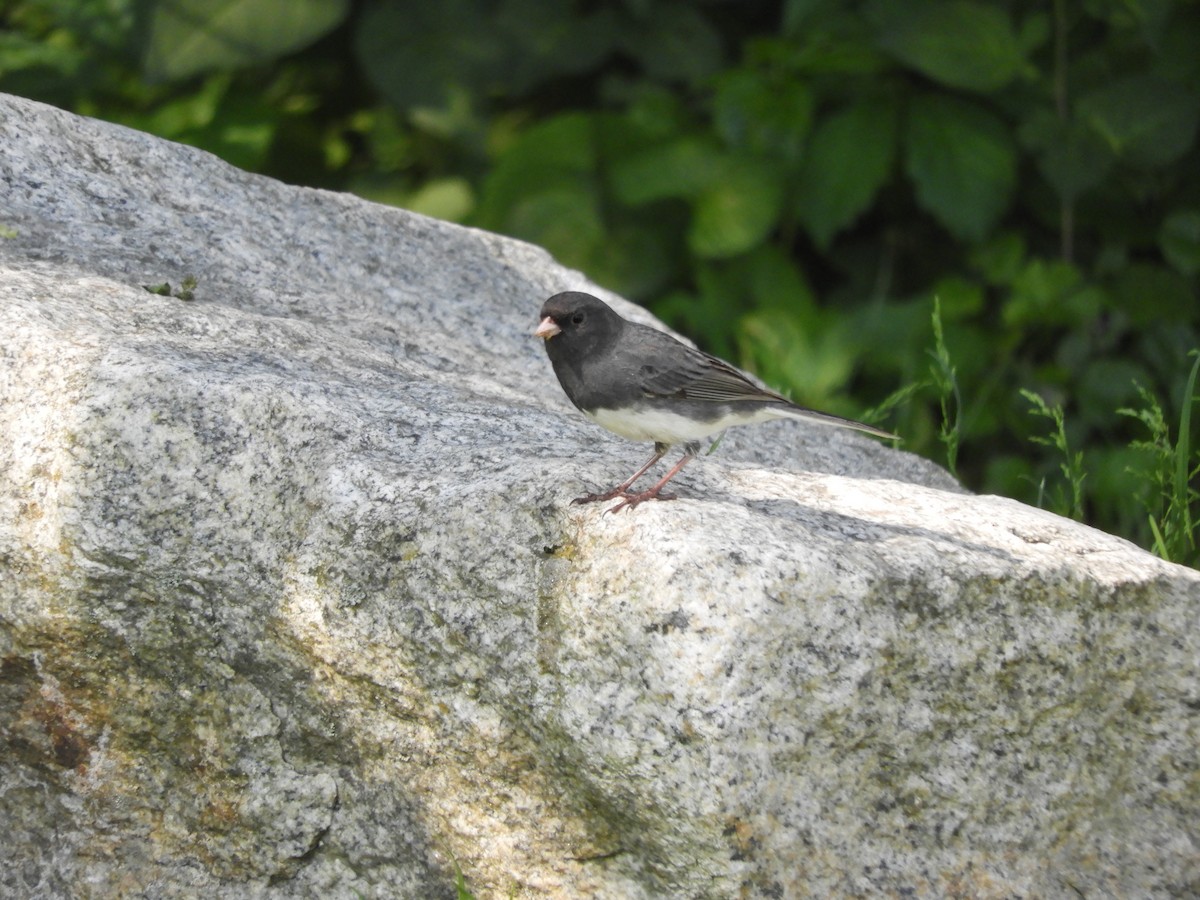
column 643, row 384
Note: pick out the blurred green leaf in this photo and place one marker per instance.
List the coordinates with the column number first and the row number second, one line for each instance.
column 1051, row 293
column 683, row 168
column 1179, row 238
column 1008, row 475
column 389, row 140
column 962, row 161
column 1001, row 258
column 557, row 152
column 106, row 23
column 546, row 188
column 1105, row 385
column 886, row 335
column 774, row 280
column 444, row 198
column 545, row 40
column 415, row 54
column 1070, row 155
column 235, row 125
column 800, row 13
column 1175, row 54
column 456, row 118
column 1151, row 293
column 737, row 210
column 763, row 115
column 419, row 54
column 959, row 298
column 765, row 278
column 673, row 41
column 634, row 259
column 959, row 43
column 381, row 187
column 1146, row 120
column 186, row 111
column 565, row 220
column 812, row 369
column 718, row 298
column 654, row 114
column 18, row 51
column 1145, row 16
column 186, row 37
column 849, row 159
column 1121, row 481
column 838, row 43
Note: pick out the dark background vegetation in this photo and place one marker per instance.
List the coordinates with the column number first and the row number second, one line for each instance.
column 790, row 183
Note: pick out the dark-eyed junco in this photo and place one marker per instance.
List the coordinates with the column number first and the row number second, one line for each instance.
column 643, row 384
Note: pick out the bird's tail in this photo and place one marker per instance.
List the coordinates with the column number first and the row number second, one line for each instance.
column 804, row 414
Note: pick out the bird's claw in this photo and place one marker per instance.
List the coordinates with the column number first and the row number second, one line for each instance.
column 596, row 498
column 629, row 501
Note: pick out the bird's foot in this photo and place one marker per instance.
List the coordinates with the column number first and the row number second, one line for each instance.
column 597, row 498
column 629, row 501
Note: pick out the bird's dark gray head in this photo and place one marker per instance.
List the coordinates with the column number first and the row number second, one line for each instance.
column 576, row 324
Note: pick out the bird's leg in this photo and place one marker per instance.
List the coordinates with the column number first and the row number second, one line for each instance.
column 655, row 493
column 660, row 450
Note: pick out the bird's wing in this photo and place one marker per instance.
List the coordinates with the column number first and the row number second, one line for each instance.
column 681, row 371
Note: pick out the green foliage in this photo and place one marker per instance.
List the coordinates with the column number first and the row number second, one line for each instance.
column 848, row 162
column 945, row 383
column 960, row 44
column 188, row 37
column 1066, row 499
column 1179, row 239
column 461, row 891
column 790, row 183
column 185, row 291
column 962, row 163
column 1171, row 505
column 425, row 54
column 1145, row 119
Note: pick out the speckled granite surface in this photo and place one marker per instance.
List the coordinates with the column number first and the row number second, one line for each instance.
column 292, row 601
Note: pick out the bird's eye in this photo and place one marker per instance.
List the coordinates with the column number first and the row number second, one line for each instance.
column 577, row 319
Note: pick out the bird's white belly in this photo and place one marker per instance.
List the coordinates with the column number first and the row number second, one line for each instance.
column 648, row 424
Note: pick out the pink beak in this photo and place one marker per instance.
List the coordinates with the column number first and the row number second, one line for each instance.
column 547, row 329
